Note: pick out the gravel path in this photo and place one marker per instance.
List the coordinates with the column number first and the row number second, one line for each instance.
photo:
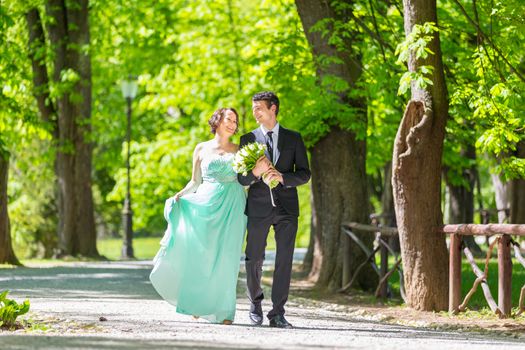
column 72, row 297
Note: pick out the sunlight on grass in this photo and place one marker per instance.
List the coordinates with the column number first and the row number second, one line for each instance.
column 144, row 248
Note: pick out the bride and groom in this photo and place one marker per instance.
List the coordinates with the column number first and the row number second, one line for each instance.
column 197, row 266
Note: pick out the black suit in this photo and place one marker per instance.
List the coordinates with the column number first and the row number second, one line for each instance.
column 292, row 163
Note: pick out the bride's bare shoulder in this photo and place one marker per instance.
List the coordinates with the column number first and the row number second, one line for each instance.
column 200, row 148
column 204, row 145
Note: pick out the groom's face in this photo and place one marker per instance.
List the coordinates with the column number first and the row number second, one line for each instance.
column 263, row 115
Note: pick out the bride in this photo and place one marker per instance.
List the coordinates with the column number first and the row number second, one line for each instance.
column 197, row 266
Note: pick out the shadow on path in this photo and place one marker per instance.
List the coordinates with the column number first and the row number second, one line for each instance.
column 44, row 342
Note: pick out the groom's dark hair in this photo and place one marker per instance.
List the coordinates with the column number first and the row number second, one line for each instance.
column 269, row 98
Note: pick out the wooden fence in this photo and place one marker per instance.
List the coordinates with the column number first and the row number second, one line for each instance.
column 504, row 241
column 384, row 272
column 503, row 233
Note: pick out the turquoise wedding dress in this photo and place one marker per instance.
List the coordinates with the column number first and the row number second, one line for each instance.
column 197, row 266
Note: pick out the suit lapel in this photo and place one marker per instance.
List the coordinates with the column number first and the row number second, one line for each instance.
column 280, row 142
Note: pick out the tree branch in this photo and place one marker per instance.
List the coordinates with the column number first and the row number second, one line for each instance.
column 371, row 33
column 484, row 36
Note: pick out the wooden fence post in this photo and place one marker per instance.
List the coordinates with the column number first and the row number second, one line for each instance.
column 347, row 274
column 384, row 267
column 504, row 276
column 454, row 296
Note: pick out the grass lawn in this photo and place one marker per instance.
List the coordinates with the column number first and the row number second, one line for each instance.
column 144, row 248
column 478, row 299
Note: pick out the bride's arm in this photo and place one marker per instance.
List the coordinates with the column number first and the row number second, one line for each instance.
column 196, row 177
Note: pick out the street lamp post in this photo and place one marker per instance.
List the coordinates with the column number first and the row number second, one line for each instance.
column 129, row 91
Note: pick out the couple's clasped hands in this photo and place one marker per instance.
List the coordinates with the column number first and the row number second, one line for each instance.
column 264, row 166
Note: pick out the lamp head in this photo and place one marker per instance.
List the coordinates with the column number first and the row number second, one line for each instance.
column 129, row 87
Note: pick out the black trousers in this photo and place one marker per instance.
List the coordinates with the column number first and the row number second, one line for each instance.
column 285, row 227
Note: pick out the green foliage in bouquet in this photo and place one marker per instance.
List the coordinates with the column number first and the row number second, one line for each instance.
column 245, row 160
column 10, row 310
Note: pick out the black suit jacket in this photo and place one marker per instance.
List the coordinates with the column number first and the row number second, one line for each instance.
column 292, row 163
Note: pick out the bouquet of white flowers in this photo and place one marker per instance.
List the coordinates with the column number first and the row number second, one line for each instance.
column 244, row 161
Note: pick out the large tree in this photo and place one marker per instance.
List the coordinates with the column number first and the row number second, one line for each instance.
column 7, row 255
column 417, row 164
column 70, row 105
column 338, row 158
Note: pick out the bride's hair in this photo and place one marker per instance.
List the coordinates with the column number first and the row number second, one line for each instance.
column 217, row 117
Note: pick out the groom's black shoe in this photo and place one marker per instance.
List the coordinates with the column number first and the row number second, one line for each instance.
column 280, row 322
column 256, row 315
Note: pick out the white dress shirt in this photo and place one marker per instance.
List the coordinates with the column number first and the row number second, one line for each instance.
column 275, row 139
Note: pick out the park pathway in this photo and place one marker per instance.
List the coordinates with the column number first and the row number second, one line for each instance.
column 72, row 297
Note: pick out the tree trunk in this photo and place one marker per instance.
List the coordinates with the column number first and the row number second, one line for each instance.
column 7, row 255
column 339, row 185
column 338, row 193
column 416, row 176
column 69, row 35
column 517, row 205
column 461, row 203
column 46, row 236
column 502, row 197
column 85, row 211
column 37, row 43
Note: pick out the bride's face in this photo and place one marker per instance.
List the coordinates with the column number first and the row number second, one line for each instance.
column 228, row 125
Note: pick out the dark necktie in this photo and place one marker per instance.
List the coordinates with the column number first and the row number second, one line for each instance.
column 269, row 144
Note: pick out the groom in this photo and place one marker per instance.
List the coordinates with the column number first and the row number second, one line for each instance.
column 287, row 153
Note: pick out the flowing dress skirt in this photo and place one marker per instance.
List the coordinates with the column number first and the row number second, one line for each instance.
column 197, row 266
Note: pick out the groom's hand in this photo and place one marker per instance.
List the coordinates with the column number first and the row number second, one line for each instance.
column 263, row 165
column 274, row 174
